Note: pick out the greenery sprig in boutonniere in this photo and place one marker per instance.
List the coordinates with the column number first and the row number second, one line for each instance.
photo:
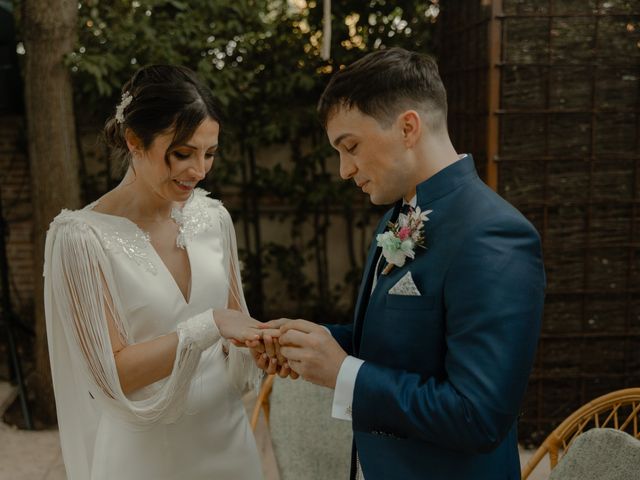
column 401, row 239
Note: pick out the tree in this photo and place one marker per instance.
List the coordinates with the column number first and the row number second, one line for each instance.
column 49, row 31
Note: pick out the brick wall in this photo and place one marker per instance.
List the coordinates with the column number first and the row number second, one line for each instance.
column 16, row 206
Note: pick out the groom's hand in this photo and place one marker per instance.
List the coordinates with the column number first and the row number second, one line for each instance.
column 266, row 352
column 277, row 361
column 311, row 352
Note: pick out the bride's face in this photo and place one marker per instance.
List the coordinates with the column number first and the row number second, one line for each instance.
column 188, row 163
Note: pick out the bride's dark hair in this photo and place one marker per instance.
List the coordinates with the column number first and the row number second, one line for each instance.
column 164, row 98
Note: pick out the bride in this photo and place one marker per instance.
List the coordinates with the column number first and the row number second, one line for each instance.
column 143, row 297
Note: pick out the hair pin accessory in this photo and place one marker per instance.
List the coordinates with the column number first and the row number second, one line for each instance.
column 124, row 103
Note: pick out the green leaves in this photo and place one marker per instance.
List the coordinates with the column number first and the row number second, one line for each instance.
column 260, row 56
column 179, row 5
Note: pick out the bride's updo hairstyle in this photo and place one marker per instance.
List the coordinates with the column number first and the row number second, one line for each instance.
column 159, row 99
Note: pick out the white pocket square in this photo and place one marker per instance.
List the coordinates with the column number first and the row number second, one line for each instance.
column 406, row 287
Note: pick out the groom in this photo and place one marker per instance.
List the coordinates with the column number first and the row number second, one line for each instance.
column 433, row 369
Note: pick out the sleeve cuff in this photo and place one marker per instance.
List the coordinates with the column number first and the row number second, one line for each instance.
column 201, row 329
column 345, row 385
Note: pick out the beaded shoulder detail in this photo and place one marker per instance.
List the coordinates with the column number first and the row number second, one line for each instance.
column 126, row 238
column 115, row 237
column 135, row 245
column 67, row 216
column 195, row 217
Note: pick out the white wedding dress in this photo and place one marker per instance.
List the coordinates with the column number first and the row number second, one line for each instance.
column 190, row 425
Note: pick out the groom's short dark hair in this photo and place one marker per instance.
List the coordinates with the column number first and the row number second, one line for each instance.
column 386, row 82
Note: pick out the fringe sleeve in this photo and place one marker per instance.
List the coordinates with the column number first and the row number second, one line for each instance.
column 79, row 291
column 244, row 373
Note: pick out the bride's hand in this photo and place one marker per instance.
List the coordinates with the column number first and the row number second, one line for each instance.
column 235, row 325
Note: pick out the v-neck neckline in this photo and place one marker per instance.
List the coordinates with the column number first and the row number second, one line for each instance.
column 185, row 298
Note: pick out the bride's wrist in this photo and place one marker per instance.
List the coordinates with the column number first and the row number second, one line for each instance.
column 201, row 329
column 218, row 320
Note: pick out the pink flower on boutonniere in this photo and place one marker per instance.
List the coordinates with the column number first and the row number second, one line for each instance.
column 404, row 233
column 399, row 242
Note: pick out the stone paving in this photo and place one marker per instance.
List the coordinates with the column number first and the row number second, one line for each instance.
column 26, row 455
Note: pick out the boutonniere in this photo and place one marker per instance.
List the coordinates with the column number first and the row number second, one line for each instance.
column 399, row 242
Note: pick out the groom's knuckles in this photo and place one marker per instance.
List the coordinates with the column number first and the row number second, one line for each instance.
column 275, row 324
column 285, row 340
column 272, row 332
column 294, row 337
column 298, row 325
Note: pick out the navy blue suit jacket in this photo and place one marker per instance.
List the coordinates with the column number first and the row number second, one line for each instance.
column 445, row 372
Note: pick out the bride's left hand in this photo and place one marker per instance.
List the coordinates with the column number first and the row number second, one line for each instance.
column 236, row 326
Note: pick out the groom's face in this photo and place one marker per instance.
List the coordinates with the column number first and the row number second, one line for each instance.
column 374, row 156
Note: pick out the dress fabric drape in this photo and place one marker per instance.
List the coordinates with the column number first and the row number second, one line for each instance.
column 189, row 425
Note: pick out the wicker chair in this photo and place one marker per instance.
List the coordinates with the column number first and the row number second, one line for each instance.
column 263, row 402
column 619, row 410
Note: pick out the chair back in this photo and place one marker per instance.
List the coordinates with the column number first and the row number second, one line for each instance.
column 600, row 454
column 619, row 410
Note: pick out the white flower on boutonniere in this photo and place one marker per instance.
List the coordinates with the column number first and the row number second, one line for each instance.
column 403, row 237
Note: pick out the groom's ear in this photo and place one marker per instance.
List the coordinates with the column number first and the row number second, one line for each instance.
column 410, row 126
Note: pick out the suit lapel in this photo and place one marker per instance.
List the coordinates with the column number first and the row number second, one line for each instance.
column 367, row 281
column 367, row 278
